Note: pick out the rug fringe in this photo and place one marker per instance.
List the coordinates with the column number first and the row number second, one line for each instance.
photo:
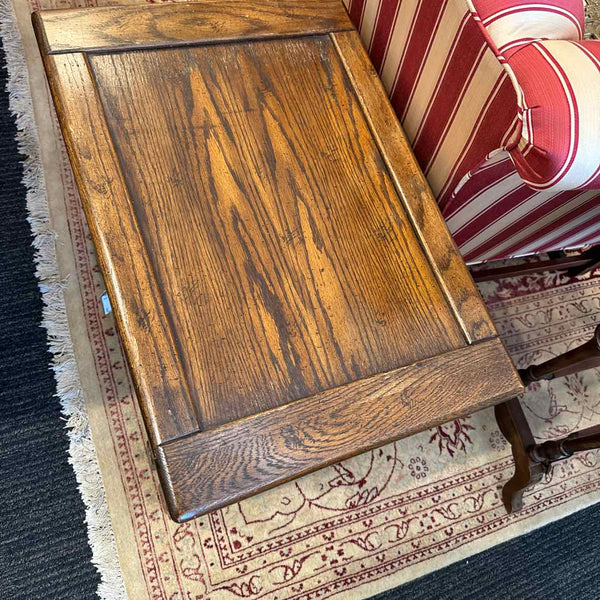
column 82, row 454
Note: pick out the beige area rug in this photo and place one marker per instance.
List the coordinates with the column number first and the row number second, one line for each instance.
column 350, row 530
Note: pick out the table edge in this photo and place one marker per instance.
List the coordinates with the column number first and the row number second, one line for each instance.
column 412, row 188
column 208, row 470
column 99, row 29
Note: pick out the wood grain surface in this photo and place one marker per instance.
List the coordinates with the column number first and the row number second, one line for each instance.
column 452, row 274
column 286, row 261
column 211, row 469
column 184, row 23
column 160, row 382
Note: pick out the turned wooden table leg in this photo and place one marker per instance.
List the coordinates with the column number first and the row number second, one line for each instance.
column 593, row 258
column 533, row 460
column 549, row 452
column 586, row 356
column 513, row 425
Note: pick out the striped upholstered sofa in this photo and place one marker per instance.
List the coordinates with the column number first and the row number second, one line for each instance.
column 501, row 102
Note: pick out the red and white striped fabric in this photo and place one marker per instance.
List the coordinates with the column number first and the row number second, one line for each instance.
column 559, row 91
column 500, row 101
column 511, row 24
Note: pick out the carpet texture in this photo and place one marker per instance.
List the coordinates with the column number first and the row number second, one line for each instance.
column 353, row 529
column 557, row 562
column 44, row 550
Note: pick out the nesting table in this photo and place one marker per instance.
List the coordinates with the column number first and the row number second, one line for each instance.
column 283, row 283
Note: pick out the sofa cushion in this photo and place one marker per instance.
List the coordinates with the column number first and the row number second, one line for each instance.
column 509, row 24
column 558, row 88
column 556, row 76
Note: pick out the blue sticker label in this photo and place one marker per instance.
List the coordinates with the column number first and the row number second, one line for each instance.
column 106, row 303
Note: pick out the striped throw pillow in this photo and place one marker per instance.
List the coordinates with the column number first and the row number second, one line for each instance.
column 556, row 76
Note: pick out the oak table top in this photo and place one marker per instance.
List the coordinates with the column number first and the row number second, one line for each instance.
column 284, row 285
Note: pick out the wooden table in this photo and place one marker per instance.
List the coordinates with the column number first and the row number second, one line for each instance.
column 284, row 285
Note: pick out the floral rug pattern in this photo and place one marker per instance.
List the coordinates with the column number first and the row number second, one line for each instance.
column 372, row 517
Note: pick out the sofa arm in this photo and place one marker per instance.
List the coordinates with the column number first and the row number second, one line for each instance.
column 556, row 76
column 558, row 85
column 511, row 24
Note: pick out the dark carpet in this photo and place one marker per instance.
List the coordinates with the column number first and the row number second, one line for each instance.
column 558, row 562
column 44, row 551
column 43, row 545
